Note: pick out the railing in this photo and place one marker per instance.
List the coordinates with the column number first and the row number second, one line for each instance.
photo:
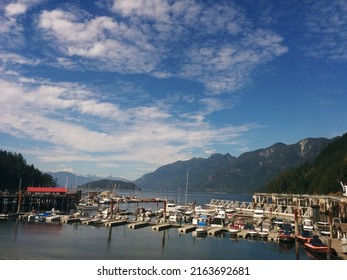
column 269, row 209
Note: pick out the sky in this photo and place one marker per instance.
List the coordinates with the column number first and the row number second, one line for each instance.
column 122, row 87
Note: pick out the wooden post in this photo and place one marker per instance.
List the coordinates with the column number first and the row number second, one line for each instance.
column 331, row 235
column 111, row 209
column 20, row 195
column 329, row 249
column 164, row 211
column 296, row 221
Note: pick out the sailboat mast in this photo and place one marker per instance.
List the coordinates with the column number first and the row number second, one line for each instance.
column 185, row 201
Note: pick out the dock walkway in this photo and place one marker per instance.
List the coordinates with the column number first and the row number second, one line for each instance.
column 159, row 227
column 113, row 223
column 137, row 225
column 186, row 229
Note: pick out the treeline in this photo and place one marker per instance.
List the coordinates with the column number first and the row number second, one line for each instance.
column 320, row 177
column 14, row 171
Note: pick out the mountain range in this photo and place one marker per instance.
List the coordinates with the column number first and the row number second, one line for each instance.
column 249, row 172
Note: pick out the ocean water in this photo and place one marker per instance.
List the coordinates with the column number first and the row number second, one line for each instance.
column 54, row 241
column 22, row 240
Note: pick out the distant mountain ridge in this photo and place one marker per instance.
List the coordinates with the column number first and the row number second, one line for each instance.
column 249, row 172
column 70, row 179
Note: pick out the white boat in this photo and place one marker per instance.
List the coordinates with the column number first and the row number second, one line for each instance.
column 258, row 213
column 234, row 229
column 263, row 234
column 307, row 224
column 253, row 233
column 217, row 222
column 201, row 230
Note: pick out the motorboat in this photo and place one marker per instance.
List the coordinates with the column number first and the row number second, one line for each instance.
column 307, row 224
column 316, row 245
column 258, row 213
column 201, row 230
column 217, row 222
column 285, row 236
column 251, row 231
column 278, row 222
column 304, row 236
column 234, row 229
column 263, row 234
column 240, row 223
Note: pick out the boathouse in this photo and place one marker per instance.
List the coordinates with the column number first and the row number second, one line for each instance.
column 44, row 190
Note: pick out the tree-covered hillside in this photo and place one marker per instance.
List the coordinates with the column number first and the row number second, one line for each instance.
column 320, row 177
column 14, row 168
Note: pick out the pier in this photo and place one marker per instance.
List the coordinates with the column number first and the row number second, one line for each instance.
column 186, row 229
column 137, row 225
column 285, row 205
column 159, row 227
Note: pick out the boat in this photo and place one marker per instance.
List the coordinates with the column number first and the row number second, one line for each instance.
column 217, row 222
column 251, row 231
column 258, row 213
column 307, row 224
column 304, row 236
column 278, row 222
column 316, row 245
column 240, row 223
column 263, row 234
column 202, row 229
column 234, row 229
column 285, row 236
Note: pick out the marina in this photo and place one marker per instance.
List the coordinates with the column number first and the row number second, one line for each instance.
column 222, row 218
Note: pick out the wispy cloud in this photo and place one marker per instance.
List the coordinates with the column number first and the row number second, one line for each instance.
column 326, row 24
column 164, row 38
column 44, row 111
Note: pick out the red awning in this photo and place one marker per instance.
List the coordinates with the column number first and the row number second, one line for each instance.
column 46, row 190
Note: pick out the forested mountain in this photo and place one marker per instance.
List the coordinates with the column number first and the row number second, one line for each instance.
column 249, row 172
column 107, row 184
column 14, row 171
column 322, row 176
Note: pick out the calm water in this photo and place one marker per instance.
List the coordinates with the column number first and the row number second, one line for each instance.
column 30, row 241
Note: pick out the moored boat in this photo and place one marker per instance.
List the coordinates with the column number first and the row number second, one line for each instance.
column 316, row 245
column 201, row 230
column 234, row 229
column 263, row 234
column 307, row 224
column 285, row 236
column 304, row 236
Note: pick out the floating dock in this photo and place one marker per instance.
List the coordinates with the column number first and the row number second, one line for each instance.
column 138, row 225
column 186, row 229
column 161, row 227
column 70, row 220
column 115, row 223
column 216, row 230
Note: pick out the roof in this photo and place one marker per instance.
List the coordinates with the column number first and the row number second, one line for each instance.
column 341, row 226
column 46, row 190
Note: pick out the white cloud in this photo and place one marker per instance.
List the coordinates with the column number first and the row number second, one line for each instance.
column 14, row 58
column 14, row 9
column 75, row 126
column 164, row 39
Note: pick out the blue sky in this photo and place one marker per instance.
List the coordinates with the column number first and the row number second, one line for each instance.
column 121, row 87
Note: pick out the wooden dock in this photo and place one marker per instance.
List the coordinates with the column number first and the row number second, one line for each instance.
column 137, row 225
column 69, row 220
column 159, row 227
column 186, row 229
column 215, row 230
column 114, row 223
